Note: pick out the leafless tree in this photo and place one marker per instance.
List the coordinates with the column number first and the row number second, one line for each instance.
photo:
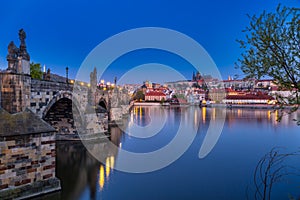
column 272, row 168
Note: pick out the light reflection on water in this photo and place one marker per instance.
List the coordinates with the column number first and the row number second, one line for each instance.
column 223, row 174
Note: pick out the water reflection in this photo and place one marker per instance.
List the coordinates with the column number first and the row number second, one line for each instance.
column 81, row 175
column 259, row 116
column 101, row 177
column 203, row 114
column 76, row 169
column 226, row 170
column 109, row 166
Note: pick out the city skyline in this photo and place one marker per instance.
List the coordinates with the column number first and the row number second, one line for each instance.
column 61, row 34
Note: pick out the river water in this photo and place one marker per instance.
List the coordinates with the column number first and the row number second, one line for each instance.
column 227, row 172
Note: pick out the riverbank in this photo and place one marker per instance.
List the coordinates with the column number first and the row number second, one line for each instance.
column 147, row 104
column 219, row 105
column 249, row 106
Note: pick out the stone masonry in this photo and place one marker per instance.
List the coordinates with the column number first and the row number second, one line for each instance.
column 15, row 92
column 27, row 156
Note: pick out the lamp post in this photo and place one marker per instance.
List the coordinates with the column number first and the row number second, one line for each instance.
column 67, row 73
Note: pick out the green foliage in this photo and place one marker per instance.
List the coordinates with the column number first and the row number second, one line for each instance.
column 272, row 49
column 178, row 96
column 139, row 95
column 35, row 70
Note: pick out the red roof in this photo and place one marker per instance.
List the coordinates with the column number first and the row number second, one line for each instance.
column 152, row 93
column 258, row 96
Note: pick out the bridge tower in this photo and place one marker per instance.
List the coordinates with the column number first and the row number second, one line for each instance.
column 15, row 81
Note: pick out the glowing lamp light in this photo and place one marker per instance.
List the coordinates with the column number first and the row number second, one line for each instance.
column 101, row 177
column 203, row 114
column 72, row 81
column 89, row 85
column 107, row 167
column 102, row 81
column 81, row 83
column 108, row 83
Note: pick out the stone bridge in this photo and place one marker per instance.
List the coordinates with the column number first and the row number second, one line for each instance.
column 27, row 143
column 55, row 102
column 45, row 94
column 56, row 99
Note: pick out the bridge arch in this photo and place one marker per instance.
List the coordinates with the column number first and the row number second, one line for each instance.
column 59, row 95
column 60, row 112
column 103, row 105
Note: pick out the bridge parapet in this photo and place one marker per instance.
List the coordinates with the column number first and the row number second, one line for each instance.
column 44, row 92
column 46, row 86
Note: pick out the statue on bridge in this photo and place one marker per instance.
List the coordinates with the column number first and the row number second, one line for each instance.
column 18, row 58
column 22, row 36
column 23, row 52
column 12, row 57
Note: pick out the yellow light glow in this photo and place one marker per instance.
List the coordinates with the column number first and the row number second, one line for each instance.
column 141, row 112
column 89, row 85
column 214, row 114
column 112, row 85
column 104, row 89
column 72, row 81
column 108, row 83
column 101, row 177
column 276, row 116
column 195, row 117
column 107, row 167
column 112, row 160
column 272, row 102
column 203, row 114
column 102, row 81
column 269, row 115
column 239, row 112
column 82, row 83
